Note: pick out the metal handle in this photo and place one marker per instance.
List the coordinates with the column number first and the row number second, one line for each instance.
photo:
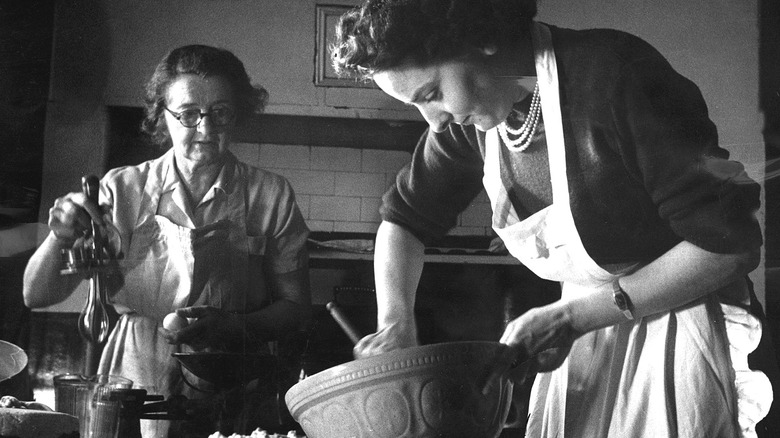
column 90, row 185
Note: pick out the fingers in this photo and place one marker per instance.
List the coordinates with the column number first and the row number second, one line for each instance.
column 71, row 216
column 197, row 311
column 498, row 367
column 367, row 347
column 380, row 342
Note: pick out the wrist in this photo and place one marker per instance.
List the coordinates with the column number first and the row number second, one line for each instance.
column 621, row 299
column 594, row 311
column 62, row 241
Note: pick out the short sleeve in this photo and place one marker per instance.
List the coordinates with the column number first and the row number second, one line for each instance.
column 281, row 224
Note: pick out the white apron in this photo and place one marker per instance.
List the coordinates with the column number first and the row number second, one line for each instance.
column 167, row 267
column 667, row 375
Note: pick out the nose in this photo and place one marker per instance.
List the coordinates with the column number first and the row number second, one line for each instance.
column 437, row 119
column 206, row 126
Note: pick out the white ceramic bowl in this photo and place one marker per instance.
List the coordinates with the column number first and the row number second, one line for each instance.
column 427, row 391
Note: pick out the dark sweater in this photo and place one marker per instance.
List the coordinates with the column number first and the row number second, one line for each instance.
column 643, row 163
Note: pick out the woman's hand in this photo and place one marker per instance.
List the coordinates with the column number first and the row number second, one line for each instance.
column 545, row 334
column 386, row 339
column 210, row 329
column 72, row 215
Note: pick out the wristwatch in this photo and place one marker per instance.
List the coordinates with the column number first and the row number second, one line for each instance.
column 622, row 301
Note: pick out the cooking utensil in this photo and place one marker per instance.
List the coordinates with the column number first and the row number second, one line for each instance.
column 350, row 330
column 93, row 320
column 227, row 370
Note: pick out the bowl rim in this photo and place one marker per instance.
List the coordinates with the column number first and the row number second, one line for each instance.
column 396, row 362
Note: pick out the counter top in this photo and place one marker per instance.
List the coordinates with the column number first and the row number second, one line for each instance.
column 319, row 257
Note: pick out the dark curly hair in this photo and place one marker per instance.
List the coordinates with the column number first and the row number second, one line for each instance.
column 203, row 61
column 383, row 34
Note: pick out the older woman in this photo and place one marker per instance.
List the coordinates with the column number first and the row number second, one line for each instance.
column 605, row 174
column 216, row 240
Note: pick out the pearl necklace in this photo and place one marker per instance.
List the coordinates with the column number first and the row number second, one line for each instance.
column 526, row 132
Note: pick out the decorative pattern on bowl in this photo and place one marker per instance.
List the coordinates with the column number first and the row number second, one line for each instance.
column 427, row 391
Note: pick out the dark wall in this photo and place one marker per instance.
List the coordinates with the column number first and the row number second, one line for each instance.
column 25, row 57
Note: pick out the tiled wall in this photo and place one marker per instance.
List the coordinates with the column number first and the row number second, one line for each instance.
column 340, row 189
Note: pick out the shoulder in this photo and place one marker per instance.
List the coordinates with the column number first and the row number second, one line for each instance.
column 611, row 45
column 607, row 58
column 128, row 180
column 125, row 175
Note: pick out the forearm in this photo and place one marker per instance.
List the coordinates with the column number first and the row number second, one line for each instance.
column 274, row 321
column 398, row 264
column 43, row 283
column 290, row 308
column 682, row 275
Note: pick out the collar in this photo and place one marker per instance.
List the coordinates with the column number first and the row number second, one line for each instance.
column 224, row 183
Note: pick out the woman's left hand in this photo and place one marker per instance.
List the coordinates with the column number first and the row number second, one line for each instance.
column 210, row 328
column 544, row 334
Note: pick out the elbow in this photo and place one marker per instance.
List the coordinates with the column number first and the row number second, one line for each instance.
column 31, row 300
column 746, row 262
column 751, row 260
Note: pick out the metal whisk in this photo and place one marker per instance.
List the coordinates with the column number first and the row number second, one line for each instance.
column 91, row 260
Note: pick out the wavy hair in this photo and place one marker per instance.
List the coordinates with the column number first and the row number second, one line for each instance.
column 383, row 34
column 203, row 61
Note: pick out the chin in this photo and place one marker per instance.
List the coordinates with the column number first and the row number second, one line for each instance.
column 484, row 128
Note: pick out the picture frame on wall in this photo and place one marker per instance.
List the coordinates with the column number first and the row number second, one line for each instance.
column 325, row 75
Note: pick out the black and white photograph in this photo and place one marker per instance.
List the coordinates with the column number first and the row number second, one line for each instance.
column 389, row 219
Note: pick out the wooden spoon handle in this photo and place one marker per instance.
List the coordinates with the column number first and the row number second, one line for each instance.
column 342, row 321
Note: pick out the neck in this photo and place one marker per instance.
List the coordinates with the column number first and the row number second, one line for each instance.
column 198, row 179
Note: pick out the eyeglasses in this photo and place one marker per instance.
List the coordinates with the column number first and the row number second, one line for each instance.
column 191, row 118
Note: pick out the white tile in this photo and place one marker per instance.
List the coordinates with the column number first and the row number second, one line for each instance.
column 356, row 227
column 335, row 208
column 303, row 201
column 359, row 184
column 369, row 210
column 326, row 226
column 375, row 160
column 337, row 159
column 310, row 182
column 284, row 156
column 247, row 152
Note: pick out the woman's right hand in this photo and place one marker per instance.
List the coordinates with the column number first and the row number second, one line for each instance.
column 72, row 215
column 389, row 338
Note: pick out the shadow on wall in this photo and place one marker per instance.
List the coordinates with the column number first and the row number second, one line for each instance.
column 80, row 74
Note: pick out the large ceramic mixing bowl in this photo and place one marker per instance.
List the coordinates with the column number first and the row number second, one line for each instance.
column 428, row 391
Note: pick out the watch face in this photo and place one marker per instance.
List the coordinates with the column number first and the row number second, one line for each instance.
column 620, row 300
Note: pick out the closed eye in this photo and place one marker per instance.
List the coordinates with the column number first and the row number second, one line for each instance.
column 431, row 96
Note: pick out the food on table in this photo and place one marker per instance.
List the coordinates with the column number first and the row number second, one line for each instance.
column 258, row 433
column 30, row 419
